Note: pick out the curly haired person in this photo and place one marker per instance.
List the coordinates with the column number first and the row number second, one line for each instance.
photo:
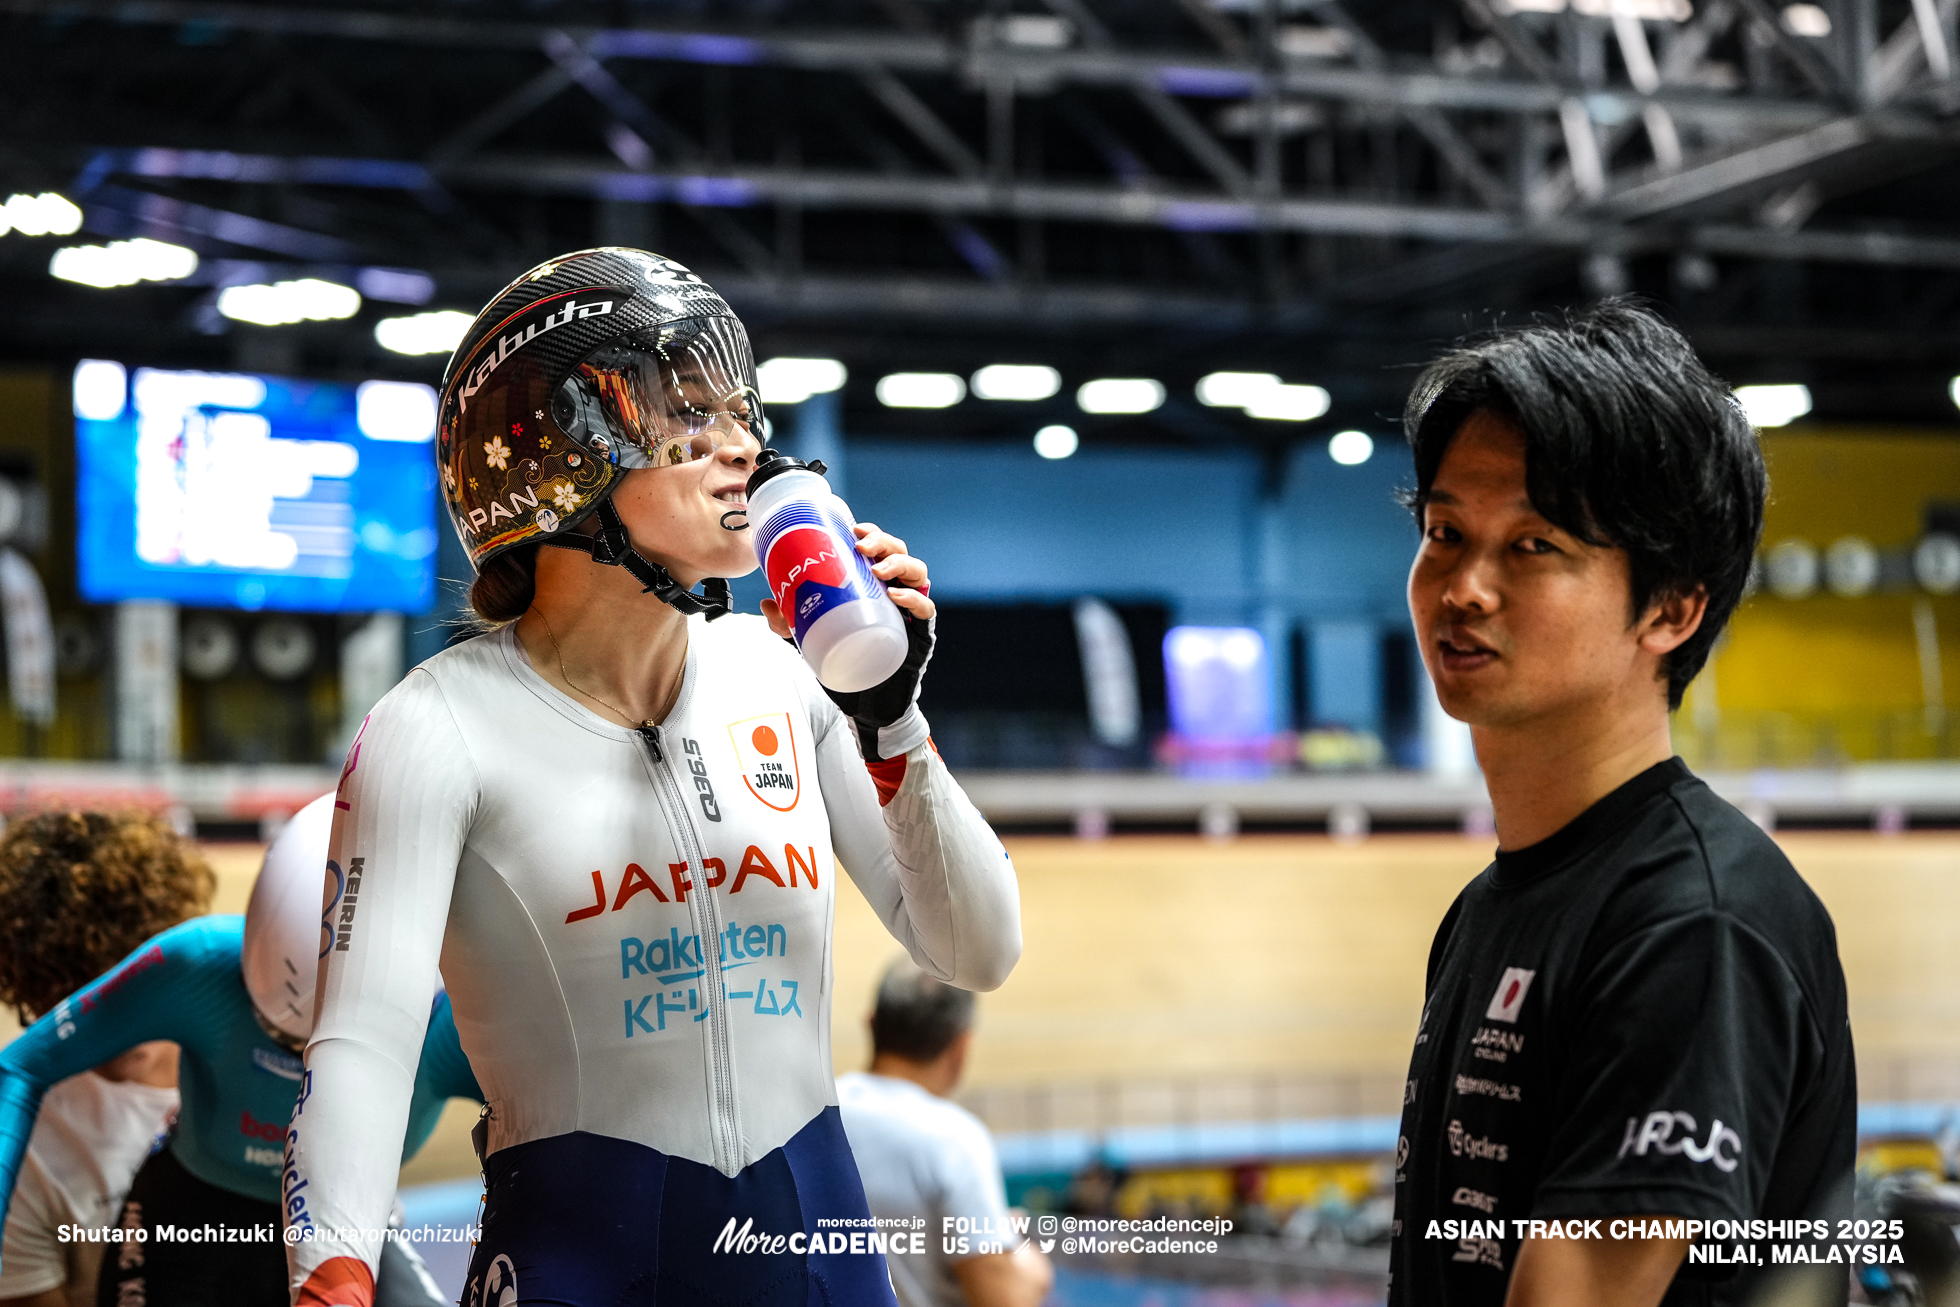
column 78, row 892
column 234, row 996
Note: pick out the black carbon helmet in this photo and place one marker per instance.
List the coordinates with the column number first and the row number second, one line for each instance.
column 587, row 365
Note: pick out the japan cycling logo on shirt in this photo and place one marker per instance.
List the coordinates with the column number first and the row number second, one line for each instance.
column 766, row 748
column 1504, row 1004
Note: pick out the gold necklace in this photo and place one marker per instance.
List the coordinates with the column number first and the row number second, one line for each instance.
column 574, row 684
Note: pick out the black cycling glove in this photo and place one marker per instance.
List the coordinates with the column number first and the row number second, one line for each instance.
column 887, row 717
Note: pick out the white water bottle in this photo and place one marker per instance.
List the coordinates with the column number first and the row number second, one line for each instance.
column 846, row 626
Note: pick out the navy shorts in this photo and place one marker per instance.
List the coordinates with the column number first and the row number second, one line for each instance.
column 585, row 1220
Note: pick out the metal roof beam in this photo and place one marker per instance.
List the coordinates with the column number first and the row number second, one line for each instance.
column 921, row 121
column 1720, row 179
column 1176, row 208
column 1028, row 70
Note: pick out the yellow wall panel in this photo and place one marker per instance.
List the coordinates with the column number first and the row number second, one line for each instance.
column 1197, row 1192
column 1828, row 482
column 1827, row 654
column 1829, row 679
column 1315, row 1184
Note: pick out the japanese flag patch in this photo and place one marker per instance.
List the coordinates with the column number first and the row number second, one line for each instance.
column 766, row 748
column 1504, row 1004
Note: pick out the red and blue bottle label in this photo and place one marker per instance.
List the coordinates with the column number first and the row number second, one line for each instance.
column 810, row 567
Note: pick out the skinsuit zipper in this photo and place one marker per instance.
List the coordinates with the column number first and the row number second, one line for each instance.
column 725, row 1127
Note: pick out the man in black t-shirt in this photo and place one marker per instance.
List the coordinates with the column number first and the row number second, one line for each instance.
column 1637, row 1012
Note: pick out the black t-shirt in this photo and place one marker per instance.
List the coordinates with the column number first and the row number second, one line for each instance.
column 1643, row 1014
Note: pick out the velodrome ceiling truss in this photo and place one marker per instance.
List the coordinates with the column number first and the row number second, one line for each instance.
column 918, row 169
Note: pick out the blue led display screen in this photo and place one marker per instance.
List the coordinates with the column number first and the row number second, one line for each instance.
column 231, row 490
column 1217, row 682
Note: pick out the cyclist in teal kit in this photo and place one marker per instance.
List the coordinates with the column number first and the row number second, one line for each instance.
column 239, row 1076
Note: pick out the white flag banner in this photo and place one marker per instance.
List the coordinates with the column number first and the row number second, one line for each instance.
column 30, row 640
column 1109, row 673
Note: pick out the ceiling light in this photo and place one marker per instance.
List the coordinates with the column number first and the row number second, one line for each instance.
column 423, row 333
column 306, row 300
column 101, row 390
column 1286, row 118
column 1036, row 31
column 169, row 395
column 1351, row 448
column 396, row 410
column 1234, row 389
column 1301, row 41
column 1263, row 395
column 1773, row 406
column 1120, row 395
column 1813, row 21
column 1026, row 381
column 793, row 380
column 122, row 263
column 1655, row 11
column 920, row 390
column 1289, row 403
column 396, row 285
column 1056, row 442
column 46, row 214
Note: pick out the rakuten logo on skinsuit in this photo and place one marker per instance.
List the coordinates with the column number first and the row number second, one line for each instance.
column 678, row 952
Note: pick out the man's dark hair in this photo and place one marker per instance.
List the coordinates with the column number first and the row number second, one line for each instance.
column 1629, row 442
column 917, row 1017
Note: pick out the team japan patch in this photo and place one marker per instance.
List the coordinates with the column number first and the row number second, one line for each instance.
column 766, row 748
column 1504, row 1004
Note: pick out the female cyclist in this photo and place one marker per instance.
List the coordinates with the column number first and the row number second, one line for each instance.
column 616, row 825
column 235, row 996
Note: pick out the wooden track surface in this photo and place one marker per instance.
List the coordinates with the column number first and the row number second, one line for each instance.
column 1164, row 955
column 1160, row 955
column 1292, row 962
column 1282, row 975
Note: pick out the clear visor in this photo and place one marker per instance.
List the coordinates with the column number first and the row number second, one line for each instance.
column 666, row 396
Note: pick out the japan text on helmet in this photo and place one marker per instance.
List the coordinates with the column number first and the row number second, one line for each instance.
column 587, row 365
column 285, row 934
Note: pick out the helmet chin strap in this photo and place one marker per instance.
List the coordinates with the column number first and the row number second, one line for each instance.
column 613, row 547
column 291, row 1043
